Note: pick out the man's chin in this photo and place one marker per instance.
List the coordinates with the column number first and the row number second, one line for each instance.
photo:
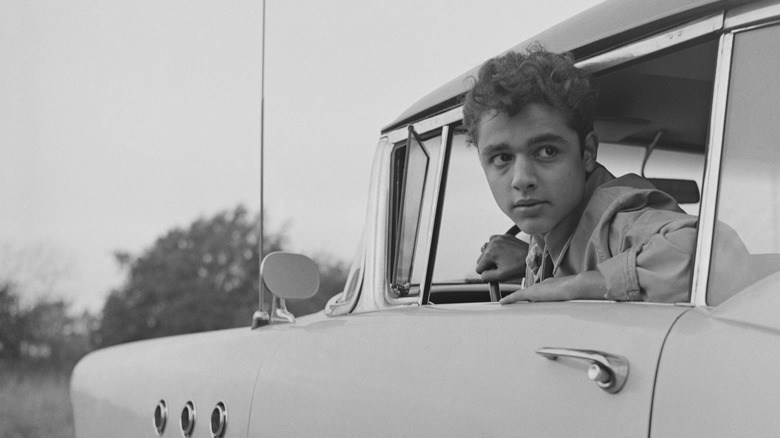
column 533, row 226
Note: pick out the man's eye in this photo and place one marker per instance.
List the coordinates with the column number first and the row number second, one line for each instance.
column 501, row 159
column 546, row 152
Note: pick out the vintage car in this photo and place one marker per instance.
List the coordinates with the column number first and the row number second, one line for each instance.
column 416, row 345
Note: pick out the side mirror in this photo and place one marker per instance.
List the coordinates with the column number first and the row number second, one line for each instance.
column 288, row 276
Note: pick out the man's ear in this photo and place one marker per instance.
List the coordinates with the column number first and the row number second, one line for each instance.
column 590, row 151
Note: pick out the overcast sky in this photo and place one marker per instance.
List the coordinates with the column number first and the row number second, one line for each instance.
column 123, row 119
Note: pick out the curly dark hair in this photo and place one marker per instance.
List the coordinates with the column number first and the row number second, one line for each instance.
column 509, row 82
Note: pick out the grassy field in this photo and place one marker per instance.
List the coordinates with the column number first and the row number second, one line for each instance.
column 34, row 402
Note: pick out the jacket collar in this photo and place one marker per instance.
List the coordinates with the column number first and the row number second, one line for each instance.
column 557, row 240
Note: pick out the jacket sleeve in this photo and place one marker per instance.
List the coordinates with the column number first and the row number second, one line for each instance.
column 651, row 256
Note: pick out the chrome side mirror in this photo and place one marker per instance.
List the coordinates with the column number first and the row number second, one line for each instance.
column 288, row 276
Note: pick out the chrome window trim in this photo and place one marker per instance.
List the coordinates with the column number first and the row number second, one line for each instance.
column 670, row 38
column 709, row 198
column 748, row 16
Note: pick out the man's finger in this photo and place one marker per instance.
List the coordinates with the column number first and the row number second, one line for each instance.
column 548, row 290
column 485, row 262
column 518, row 295
column 494, row 274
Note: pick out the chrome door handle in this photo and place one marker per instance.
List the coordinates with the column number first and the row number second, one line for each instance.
column 607, row 370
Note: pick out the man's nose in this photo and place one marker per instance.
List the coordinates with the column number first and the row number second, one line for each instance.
column 524, row 174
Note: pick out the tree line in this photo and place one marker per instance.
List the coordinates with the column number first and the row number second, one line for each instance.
column 192, row 279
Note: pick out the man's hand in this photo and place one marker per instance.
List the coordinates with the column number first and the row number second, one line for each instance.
column 502, row 258
column 587, row 285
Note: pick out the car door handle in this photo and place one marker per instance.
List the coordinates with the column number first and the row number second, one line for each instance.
column 607, row 370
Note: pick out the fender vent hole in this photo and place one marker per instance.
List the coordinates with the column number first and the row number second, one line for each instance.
column 160, row 417
column 219, row 420
column 188, row 418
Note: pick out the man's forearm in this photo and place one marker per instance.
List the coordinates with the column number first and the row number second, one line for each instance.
column 587, row 285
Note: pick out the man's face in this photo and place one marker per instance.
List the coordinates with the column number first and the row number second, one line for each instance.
column 534, row 165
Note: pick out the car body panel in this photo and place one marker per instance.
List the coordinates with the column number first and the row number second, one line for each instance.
column 115, row 390
column 461, row 370
column 719, row 374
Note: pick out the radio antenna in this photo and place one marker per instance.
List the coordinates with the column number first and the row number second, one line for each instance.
column 261, row 316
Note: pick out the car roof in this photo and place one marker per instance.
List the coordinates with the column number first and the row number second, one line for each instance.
column 598, row 29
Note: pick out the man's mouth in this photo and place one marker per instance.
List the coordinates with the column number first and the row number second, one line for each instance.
column 528, row 203
column 529, row 207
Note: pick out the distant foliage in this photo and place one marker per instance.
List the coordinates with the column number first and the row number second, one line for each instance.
column 45, row 334
column 37, row 327
column 39, row 345
column 204, row 277
column 53, row 335
column 10, row 324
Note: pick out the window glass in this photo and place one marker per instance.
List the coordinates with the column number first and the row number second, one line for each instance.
column 414, row 167
column 747, row 231
column 469, row 216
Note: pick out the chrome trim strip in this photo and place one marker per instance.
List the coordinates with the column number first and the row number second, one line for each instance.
column 756, row 26
column 709, row 198
column 654, row 43
column 435, row 122
column 752, row 14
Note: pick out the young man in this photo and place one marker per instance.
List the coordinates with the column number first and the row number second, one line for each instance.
column 593, row 236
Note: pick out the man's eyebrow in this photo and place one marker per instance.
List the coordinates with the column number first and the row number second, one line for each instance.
column 547, row 137
column 493, row 148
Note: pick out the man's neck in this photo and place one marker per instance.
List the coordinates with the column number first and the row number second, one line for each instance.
column 557, row 239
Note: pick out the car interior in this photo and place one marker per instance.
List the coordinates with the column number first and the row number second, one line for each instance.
column 662, row 104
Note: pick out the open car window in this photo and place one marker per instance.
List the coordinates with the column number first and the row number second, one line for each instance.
column 653, row 119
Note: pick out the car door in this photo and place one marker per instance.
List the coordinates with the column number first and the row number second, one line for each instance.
column 719, row 373
column 462, row 370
